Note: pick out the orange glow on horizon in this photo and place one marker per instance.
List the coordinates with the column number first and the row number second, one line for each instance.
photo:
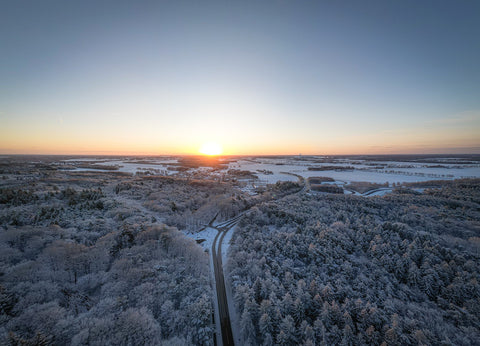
column 51, row 140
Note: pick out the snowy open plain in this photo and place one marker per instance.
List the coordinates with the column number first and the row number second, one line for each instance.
column 261, row 171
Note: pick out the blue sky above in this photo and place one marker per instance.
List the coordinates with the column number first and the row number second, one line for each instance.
column 257, row 77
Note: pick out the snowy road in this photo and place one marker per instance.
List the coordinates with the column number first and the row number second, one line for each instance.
column 216, row 253
column 223, row 231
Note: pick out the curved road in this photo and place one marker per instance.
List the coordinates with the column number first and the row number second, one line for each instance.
column 224, row 315
column 223, row 228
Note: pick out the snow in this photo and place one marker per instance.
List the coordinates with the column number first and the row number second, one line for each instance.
column 266, row 178
column 226, row 244
column 218, row 327
column 234, row 318
column 381, row 172
column 207, row 233
column 369, row 171
column 86, row 159
column 377, row 192
column 156, row 166
column 125, row 166
column 393, row 171
column 79, row 169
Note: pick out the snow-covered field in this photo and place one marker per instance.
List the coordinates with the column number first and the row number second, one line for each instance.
column 272, row 169
column 132, row 166
column 394, row 171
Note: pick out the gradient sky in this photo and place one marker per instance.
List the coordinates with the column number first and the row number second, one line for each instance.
column 258, row 77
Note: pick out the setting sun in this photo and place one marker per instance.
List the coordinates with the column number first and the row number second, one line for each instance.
column 211, row 149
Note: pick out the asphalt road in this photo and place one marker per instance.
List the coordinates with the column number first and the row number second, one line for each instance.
column 224, row 316
column 223, row 228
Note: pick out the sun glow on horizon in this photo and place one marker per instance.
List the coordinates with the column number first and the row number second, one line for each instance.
column 211, row 149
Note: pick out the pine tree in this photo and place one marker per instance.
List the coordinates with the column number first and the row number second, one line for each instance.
column 287, row 328
column 298, row 311
column 265, row 324
column 247, row 328
column 319, row 329
column 282, row 338
column 257, row 290
column 347, row 339
column 267, row 340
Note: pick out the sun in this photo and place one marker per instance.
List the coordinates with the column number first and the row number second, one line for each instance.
column 211, row 149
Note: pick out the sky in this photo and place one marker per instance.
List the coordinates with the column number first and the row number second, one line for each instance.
column 255, row 77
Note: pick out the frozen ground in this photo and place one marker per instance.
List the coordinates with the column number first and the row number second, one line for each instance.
column 156, row 166
column 207, row 233
column 269, row 170
column 347, row 170
column 393, row 171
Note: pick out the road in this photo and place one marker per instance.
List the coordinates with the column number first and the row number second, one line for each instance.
column 216, row 252
column 301, row 180
column 224, row 315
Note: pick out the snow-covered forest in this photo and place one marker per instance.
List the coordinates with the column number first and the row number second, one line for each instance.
column 86, row 257
column 136, row 285
column 101, row 258
column 335, row 269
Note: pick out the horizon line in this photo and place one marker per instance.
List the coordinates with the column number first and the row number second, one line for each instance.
column 246, row 155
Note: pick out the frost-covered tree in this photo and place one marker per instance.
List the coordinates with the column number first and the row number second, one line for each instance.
column 363, row 270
